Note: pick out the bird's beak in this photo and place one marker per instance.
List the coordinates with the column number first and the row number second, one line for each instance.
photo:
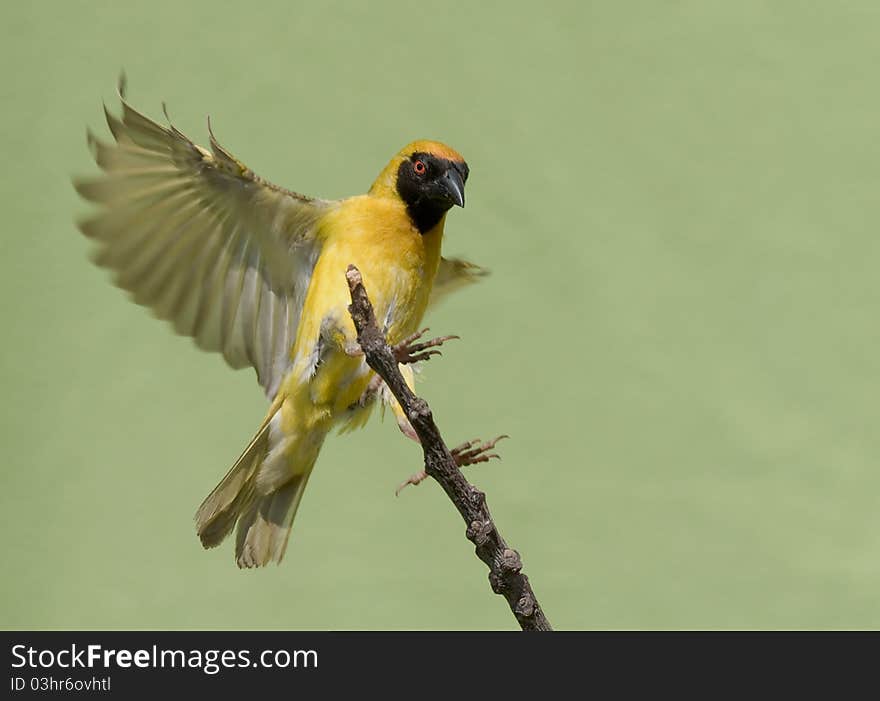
column 453, row 187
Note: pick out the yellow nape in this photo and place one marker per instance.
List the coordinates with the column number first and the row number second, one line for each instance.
column 386, row 184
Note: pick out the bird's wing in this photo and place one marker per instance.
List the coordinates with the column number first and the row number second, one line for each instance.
column 195, row 235
column 453, row 274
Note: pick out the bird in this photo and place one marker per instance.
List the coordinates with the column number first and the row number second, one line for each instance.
column 256, row 273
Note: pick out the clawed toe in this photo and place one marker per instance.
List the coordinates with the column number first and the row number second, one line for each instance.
column 468, row 453
column 415, row 479
column 407, row 352
column 474, row 452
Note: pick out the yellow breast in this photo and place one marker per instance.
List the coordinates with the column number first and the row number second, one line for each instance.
column 398, row 265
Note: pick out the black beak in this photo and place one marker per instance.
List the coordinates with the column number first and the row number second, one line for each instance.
column 453, row 186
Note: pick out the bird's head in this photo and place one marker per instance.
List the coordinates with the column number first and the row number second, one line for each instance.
column 428, row 177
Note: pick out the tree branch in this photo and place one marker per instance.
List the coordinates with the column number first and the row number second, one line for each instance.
column 505, row 566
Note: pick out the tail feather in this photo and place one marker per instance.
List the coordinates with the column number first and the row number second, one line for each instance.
column 256, row 495
column 220, row 510
column 264, row 529
column 220, row 525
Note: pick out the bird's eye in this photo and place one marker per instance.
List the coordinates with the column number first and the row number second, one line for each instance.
column 420, row 168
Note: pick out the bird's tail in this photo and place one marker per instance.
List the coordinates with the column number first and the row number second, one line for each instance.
column 264, row 512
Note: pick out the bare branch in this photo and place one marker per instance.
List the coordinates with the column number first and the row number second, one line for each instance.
column 505, row 566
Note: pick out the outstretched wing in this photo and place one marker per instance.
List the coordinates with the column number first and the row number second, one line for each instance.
column 452, row 275
column 195, row 235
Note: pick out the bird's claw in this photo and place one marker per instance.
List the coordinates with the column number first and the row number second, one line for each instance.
column 407, row 352
column 475, row 451
column 468, row 453
column 417, row 478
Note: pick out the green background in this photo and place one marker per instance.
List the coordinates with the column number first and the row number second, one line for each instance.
column 679, row 204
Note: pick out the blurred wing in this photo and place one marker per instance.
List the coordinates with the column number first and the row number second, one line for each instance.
column 195, row 235
column 453, row 274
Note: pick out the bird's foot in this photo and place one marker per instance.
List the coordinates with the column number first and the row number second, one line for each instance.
column 407, row 352
column 417, row 478
column 468, row 453
column 475, row 451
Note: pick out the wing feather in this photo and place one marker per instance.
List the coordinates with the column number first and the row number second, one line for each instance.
column 452, row 275
column 198, row 237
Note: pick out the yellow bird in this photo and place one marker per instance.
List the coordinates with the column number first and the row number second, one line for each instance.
column 257, row 273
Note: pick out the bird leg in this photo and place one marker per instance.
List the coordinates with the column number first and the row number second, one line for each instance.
column 407, row 352
column 468, row 453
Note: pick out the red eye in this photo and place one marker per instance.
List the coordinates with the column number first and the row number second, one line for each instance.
column 420, row 168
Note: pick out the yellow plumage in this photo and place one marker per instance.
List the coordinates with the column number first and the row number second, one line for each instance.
column 256, row 273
